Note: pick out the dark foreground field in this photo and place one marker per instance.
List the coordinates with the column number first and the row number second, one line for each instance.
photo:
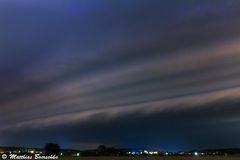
column 154, row 158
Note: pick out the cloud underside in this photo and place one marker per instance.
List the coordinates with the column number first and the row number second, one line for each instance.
column 84, row 73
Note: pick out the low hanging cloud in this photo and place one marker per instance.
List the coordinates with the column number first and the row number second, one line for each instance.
column 90, row 69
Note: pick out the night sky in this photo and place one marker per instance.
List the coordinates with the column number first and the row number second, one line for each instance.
column 142, row 73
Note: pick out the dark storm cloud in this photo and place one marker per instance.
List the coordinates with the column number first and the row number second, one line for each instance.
column 176, row 129
column 83, row 73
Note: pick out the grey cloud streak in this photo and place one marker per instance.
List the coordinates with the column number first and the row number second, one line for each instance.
column 67, row 65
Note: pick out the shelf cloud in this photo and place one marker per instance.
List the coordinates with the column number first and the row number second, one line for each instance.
column 83, row 73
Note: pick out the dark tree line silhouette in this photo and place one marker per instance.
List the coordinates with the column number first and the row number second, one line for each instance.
column 52, row 149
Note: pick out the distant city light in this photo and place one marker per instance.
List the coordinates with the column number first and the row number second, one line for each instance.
column 78, row 154
column 195, row 153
